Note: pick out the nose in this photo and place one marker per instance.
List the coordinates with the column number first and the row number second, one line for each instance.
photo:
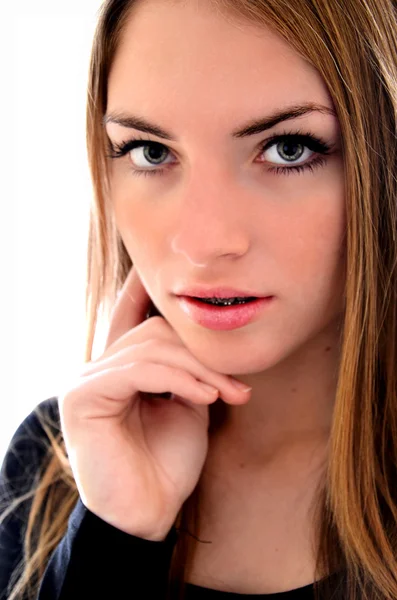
column 211, row 221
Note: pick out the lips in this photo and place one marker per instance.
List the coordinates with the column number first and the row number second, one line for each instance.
column 221, row 317
column 225, row 301
column 219, row 292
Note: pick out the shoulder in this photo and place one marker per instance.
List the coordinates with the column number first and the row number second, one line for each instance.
column 28, row 447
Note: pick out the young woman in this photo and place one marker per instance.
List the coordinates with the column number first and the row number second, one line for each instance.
column 243, row 231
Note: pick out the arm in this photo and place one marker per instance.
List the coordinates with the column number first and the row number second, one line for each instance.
column 93, row 559
column 96, row 560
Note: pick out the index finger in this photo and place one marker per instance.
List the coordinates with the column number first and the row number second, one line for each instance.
column 130, row 308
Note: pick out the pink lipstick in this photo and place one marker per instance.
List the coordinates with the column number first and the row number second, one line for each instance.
column 223, row 314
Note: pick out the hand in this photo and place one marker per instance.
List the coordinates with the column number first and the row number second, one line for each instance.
column 136, row 456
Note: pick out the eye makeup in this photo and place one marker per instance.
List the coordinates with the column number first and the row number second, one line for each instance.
column 283, row 140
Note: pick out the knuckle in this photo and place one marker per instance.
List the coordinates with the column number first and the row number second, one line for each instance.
column 149, row 349
column 158, row 322
column 189, row 378
column 132, row 365
column 162, row 327
column 152, row 343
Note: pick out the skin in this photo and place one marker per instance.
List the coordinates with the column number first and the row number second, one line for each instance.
column 218, row 216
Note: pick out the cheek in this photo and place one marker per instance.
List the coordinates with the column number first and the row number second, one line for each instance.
column 313, row 246
column 142, row 243
column 134, row 222
column 142, row 236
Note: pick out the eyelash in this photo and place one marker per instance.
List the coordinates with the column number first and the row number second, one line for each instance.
column 307, row 139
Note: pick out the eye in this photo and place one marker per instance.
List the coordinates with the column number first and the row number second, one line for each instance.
column 288, row 147
column 288, row 150
column 153, row 153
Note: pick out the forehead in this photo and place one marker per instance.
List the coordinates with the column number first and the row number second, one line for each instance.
column 175, row 57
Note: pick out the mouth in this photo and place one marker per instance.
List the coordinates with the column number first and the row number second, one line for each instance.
column 223, row 313
column 224, row 301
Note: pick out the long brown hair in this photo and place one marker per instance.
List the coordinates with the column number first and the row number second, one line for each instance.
column 354, row 48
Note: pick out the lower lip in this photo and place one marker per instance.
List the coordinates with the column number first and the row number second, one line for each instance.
column 222, row 318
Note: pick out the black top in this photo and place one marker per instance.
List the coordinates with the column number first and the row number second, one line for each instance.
column 93, row 559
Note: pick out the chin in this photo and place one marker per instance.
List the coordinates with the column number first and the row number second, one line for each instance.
column 235, row 359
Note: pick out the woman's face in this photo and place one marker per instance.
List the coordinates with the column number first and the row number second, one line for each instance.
column 216, row 209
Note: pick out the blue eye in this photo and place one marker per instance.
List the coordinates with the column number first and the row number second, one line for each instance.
column 290, row 147
column 152, row 150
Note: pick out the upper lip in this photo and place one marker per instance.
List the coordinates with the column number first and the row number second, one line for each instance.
column 218, row 292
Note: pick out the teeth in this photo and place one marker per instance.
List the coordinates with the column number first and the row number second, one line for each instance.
column 225, row 301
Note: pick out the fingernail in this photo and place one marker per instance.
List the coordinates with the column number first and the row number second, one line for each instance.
column 240, row 386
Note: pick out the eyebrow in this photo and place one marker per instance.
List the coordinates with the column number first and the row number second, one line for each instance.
column 250, row 128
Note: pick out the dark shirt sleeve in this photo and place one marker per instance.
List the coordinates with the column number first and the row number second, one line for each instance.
column 93, row 559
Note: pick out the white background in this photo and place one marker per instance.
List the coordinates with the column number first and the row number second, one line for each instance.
column 45, row 195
